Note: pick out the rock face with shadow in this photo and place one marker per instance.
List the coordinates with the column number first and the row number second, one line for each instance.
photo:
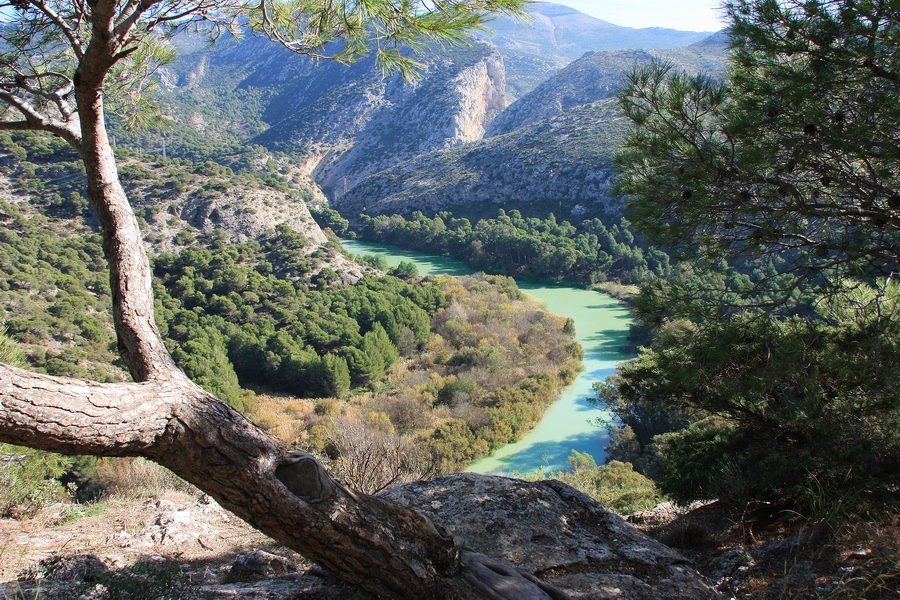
column 557, row 533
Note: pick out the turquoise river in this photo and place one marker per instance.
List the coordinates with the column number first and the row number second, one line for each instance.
column 601, row 324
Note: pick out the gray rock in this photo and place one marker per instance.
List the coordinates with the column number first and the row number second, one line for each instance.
column 257, row 564
column 73, row 569
column 556, row 533
column 288, row 586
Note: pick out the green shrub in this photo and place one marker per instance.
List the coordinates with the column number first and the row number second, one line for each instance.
column 616, row 485
column 28, row 480
column 778, row 406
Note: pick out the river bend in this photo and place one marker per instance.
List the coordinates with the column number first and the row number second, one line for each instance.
column 601, row 326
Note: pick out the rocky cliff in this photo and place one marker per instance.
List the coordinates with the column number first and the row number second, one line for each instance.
column 559, row 165
column 550, row 150
column 453, row 137
column 361, row 126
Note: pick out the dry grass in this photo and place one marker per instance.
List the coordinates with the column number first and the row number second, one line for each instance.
column 286, row 417
column 139, row 478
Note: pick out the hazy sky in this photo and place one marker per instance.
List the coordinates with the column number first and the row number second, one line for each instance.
column 688, row 15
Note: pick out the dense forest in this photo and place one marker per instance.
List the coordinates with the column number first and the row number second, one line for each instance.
column 527, row 247
column 778, row 382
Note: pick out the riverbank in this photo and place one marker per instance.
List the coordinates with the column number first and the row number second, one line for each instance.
column 602, row 326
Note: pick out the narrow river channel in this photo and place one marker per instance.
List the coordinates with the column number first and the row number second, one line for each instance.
column 601, row 325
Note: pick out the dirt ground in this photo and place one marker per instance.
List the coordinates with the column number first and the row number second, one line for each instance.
column 188, row 538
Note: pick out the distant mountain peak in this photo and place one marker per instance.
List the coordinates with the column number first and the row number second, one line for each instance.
column 552, row 10
column 563, row 34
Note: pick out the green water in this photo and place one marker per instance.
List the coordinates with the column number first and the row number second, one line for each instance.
column 601, row 325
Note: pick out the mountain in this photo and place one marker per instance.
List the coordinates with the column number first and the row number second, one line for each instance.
column 352, row 127
column 550, row 151
column 598, row 75
column 555, row 164
column 510, row 120
column 563, row 32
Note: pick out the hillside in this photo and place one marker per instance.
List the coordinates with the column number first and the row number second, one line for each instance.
column 177, row 202
column 549, row 151
column 598, row 75
column 553, row 165
column 250, row 298
column 361, row 126
column 342, row 124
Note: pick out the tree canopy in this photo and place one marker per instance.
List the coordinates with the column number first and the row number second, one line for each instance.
column 785, row 177
column 796, row 153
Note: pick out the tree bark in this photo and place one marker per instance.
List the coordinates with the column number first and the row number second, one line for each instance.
column 139, row 341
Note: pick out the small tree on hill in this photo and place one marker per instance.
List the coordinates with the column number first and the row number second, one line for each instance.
column 61, row 61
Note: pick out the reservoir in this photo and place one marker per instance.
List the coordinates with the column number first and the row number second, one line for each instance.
column 570, row 423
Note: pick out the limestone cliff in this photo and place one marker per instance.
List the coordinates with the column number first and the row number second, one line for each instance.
column 556, row 165
column 362, row 126
column 550, row 151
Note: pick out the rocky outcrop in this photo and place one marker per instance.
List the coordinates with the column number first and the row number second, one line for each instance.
column 245, row 213
column 551, row 149
column 192, row 548
column 556, row 533
column 453, row 104
column 482, row 93
column 253, row 565
column 558, row 165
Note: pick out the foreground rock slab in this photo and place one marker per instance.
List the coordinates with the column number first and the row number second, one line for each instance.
column 556, row 533
column 191, row 549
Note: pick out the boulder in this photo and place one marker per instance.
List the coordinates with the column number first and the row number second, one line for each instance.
column 253, row 565
column 553, row 531
column 69, row 569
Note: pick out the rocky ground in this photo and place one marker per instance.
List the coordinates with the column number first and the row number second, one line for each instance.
column 769, row 551
column 178, row 546
column 184, row 546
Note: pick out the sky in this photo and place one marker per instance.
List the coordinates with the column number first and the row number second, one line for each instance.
column 687, row 15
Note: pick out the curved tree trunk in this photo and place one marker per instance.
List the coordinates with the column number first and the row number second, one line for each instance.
column 385, row 548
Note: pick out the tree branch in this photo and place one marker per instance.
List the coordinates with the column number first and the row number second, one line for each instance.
column 60, row 23
column 36, row 121
column 288, row 496
column 82, row 417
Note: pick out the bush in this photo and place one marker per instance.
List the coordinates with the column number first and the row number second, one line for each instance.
column 28, row 480
column 138, row 478
column 778, row 406
column 615, row 485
